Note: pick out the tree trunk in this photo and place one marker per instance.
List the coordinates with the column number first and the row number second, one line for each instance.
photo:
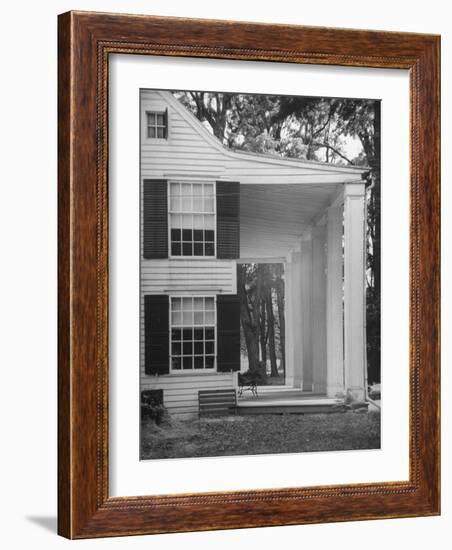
column 282, row 320
column 263, row 332
column 248, row 320
column 271, row 331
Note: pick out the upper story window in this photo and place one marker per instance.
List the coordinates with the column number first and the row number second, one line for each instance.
column 157, row 124
column 192, row 219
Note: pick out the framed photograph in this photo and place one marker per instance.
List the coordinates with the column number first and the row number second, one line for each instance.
column 248, row 275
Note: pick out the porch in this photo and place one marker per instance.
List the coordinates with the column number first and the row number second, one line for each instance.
column 285, row 400
column 311, row 218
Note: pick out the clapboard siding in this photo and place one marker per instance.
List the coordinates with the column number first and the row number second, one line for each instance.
column 185, row 151
column 180, row 392
column 160, row 276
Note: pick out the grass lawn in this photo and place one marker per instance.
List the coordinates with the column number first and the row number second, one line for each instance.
column 261, row 434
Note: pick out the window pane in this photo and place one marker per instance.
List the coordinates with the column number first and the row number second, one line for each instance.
column 187, row 235
column 160, row 132
column 210, row 304
column 210, row 348
column 176, row 348
column 199, row 348
column 198, row 235
column 176, row 220
column 199, row 333
column 186, row 204
column 210, row 249
column 209, row 235
column 208, row 189
column 176, row 334
column 187, row 303
column 188, row 362
column 176, row 363
column 198, row 222
column 187, row 249
column 209, row 221
column 198, row 249
column 175, row 249
column 176, row 318
column 188, row 318
column 198, row 304
column 175, row 189
column 197, row 197
column 176, row 234
column 151, row 132
column 186, row 188
column 161, row 119
column 176, row 304
column 209, row 317
column 151, row 118
column 199, row 362
column 187, row 221
column 188, row 348
column 209, row 362
column 175, row 204
column 187, row 334
column 209, row 333
column 199, row 317
column 208, row 204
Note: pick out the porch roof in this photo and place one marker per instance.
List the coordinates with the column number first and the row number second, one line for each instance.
column 273, row 217
column 279, row 197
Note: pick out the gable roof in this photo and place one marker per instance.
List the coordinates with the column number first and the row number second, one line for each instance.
column 347, row 173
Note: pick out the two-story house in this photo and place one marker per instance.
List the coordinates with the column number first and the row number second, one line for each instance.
column 204, row 208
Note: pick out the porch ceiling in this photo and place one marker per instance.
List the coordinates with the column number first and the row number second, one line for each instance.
column 273, row 217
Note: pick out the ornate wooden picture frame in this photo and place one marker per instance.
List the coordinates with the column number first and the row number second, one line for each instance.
column 86, row 41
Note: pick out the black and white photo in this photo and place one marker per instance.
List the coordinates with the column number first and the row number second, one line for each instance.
column 259, row 274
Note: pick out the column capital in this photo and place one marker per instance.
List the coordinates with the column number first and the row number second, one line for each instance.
column 354, row 189
column 307, row 235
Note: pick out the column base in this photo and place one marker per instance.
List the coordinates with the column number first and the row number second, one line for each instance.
column 356, row 394
column 335, row 391
column 319, row 388
column 306, row 386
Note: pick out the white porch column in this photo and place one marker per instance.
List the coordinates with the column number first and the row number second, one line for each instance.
column 294, row 336
column 318, row 309
column 334, row 320
column 354, row 297
column 306, row 310
column 288, row 291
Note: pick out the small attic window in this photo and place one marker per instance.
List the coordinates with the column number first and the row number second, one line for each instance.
column 157, row 124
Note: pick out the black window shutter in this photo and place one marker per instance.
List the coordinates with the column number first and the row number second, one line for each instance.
column 156, row 334
column 228, row 219
column 155, row 219
column 165, row 121
column 228, row 332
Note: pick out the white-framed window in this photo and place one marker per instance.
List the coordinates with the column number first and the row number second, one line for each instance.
column 193, row 333
column 157, row 124
column 192, row 219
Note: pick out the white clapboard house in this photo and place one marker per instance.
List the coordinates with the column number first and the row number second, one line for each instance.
column 206, row 208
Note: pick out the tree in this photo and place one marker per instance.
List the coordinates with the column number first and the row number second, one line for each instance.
column 249, row 310
column 279, row 288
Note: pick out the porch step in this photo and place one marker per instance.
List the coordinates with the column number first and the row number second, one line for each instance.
column 287, row 406
column 285, row 394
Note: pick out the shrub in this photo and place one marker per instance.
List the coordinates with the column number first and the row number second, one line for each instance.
column 152, row 407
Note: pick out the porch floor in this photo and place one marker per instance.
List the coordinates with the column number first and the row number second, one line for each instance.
column 285, row 400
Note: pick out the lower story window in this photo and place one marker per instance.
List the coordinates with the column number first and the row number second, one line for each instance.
column 193, row 332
